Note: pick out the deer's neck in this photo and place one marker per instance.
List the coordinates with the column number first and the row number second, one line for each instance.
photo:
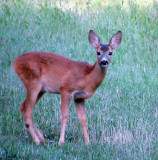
column 97, row 76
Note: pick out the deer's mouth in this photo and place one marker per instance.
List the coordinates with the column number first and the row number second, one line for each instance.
column 104, row 63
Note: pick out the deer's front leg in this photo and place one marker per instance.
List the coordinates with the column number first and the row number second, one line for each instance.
column 65, row 101
column 79, row 104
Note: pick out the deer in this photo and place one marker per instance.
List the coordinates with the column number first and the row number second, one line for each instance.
column 43, row 72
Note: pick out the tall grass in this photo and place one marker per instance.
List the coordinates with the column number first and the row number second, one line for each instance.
column 123, row 113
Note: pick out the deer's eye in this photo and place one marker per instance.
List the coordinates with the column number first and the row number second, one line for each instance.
column 110, row 53
column 98, row 53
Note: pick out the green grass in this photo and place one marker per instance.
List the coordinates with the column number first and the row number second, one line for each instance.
column 123, row 113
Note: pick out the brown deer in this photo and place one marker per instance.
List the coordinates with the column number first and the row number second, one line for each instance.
column 48, row 72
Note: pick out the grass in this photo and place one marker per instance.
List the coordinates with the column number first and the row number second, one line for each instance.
column 123, row 113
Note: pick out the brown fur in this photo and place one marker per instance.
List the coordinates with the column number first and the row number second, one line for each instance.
column 48, row 72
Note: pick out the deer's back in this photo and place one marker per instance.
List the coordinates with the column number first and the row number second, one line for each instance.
column 52, row 70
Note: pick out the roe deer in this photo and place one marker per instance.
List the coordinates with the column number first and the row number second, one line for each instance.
column 48, row 72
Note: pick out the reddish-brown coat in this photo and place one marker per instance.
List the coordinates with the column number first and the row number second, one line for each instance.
column 57, row 72
column 49, row 72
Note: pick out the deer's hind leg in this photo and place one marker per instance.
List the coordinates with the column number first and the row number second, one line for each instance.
column 33, row 95
column 39, row 134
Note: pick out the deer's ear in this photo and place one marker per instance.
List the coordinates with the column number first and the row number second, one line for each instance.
column 116, row 40
column 94, row 40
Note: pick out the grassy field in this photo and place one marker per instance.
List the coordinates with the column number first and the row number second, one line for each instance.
column 123, row 113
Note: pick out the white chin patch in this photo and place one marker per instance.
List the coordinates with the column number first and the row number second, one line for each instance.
column 104, row 66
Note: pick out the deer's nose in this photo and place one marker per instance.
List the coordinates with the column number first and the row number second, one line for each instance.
column 104, row 63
